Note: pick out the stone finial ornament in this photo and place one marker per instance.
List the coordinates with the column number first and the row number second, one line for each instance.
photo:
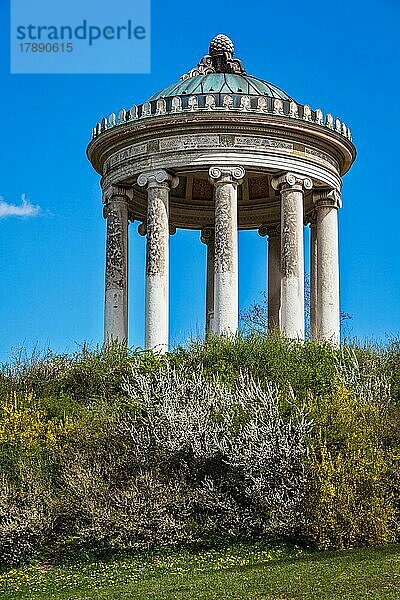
column 146, row 109
column 307, row 113
column 262, row 104
column 278, row 106
column 293, row 110
column 221, row 44
column 121, row 116
column 210, row 103
column 219, row 60
column 245, row 103
column 193, row 103
column 319, row 116
column 176, row 104
column 133, row 112
column 161, row 107
column 329, row 121
column 228, row 101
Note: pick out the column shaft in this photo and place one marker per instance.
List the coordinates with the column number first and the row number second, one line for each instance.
column 226, row 292
column 116, row 280
column 328, row 311
column 226, row 259
column 207, row 237
column 292, row 264
column 157, row 269
column 292, row 253
column 157, row 259
column 313, row 279
column 274, row 277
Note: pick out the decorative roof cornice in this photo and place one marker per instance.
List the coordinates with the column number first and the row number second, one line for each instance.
column 221, row 103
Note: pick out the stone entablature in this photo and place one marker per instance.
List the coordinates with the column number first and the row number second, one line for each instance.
column 185, row 143
column 236, row 103
column 188, row 145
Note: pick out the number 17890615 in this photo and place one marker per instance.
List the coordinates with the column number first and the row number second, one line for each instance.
column 46, row 47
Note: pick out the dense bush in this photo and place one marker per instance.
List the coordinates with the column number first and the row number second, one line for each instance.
column 256, row 436
column 353, row 461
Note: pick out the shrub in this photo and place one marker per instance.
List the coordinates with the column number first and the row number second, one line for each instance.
column 186, row 459
column 231, row 446
column 352, row 497
column 25, row 516
column 234, row 437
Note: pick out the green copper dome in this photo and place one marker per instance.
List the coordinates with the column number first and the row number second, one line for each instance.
column 220, row 73
column 221, row 83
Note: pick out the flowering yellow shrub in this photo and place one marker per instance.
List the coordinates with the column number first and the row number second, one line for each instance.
column 23, row 421
column 349, row 468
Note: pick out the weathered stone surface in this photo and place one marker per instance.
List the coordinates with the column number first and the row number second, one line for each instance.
column 208, row 238
column 326, row 204
column 226, row 302
column 291, row 187
column 158, row 185
column 116, row 200
column 313, row 274
column 274, row 273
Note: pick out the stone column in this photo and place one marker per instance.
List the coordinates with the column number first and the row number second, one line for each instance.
column 226, row 292
column 274, row 276
column 313, row 275
column 326, row 204
column 158, row 185
column 292, row 188
column 116, row 199
column 274, row 273
column 207, row 237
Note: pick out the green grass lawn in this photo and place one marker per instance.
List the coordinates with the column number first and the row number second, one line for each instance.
column 239, row 572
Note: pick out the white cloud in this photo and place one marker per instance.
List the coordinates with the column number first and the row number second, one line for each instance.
column 25, row 209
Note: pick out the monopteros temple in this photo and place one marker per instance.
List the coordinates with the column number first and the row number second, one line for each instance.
column 220, row 151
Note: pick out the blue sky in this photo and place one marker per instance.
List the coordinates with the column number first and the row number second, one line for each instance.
column 342, row 57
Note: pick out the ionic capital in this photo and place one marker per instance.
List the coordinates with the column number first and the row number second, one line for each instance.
column 207, row 234
column 157, row 179
column 273, row 230
column 117, row 193
column 311, row 218
column 142, row 229
column 327, row 197
column 291, row 181
column 221, row 175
